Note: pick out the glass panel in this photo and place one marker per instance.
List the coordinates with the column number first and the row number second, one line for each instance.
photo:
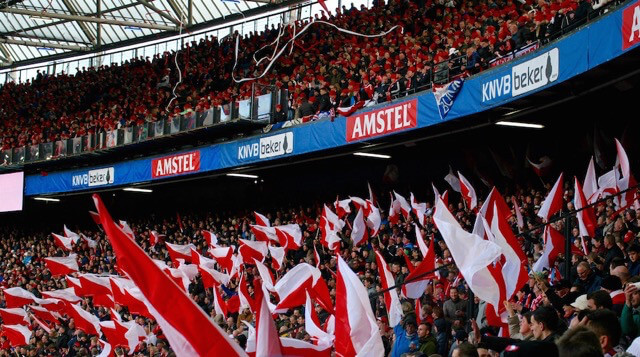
column 264, row 106
column 244, row 109
column 225, row 112
column 159, row 128
column 77, row 145
column 34, row 152
column 18, row 155
column 47, row 151
column 60, row 149
column 128, row 135
column 6, row 156
column 174, row 125
column 112, row 138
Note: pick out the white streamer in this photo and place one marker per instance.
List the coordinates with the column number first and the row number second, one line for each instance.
column 175, row 95
column 266, row 70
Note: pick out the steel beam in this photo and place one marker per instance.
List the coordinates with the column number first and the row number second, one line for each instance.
column 85, row 29
column 88, row 19
column 190, row 14
column 46, row 38
column 176, row 9
column 43, row 44
column 98, row 26
column 159, row 12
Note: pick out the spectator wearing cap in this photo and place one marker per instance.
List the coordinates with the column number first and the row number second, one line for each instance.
column 630, row 317
column 634, row 261
column 406, row 337
column 587, row 279
column 306, row 109
column 279, row 115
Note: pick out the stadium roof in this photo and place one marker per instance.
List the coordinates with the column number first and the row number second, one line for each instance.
column 37, row 28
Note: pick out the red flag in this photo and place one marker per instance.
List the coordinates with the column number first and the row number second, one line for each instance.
column 586, row 217
column 468, row 193
column 419, row 280
column 18, row 297
column 218, row 303
column 391, row 299
column 95, row 217
column 177, row 251
column 84, row 320
column 188, row 329
column 155, row 238
column 179, row 220
column 553, row 246
column 359, row 233
column 252, row 250
column 63, row 242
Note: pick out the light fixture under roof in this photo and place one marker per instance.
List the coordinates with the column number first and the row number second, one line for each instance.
column 135, row 189
column 244, row 176
column 368, row 154
column 520, row 124
column 47, row 199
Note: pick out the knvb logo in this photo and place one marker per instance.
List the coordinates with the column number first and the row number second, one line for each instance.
column 92, row 178
column 525, row 77
column 270, row 146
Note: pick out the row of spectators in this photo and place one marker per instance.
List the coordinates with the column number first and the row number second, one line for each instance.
column 436, row 40
column 593, row 309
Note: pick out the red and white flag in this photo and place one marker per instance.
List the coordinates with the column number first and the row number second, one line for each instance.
column 188, row 329
column 356, row 330
column 543, row 167
column 553, row 202
column 85, row 321
column 210, row 238
column 590, row 188
column 44, row 314
column 127, row 294
column 394, row 211
column 201, row 260
column 321, row 337
column 391, row 299
column 516, row 208
column 93, row 285
column 95, row 217
column 453, row 180
column 316, row 256
column 291, row 287
column 18, row 297
column 418, row 279
column 252, row 250
column 342, row 207
column 468, row 193
column 553, row 246
column 267, row 338
column 359, row 231
column 155, row 238
column 265, row 276
column 277, row 256
column 264, row 233
column 107, row 350
column 212, row 277
column 471, row 253
column 514, row 270
column 373, row 218
column 178, row 251
column 218, row 303
column 261, row 220
column 63, row 242
column 289, row 236
column 70, row 234
column 18, row 335
column 14, row 316
column 404, row 205
column 626, row 179
column 346, row 111
column 123, row 334
column 372, row 196
column 90, row 242
column 124, row 226
column 586, row 217
column 223, row 256
column 333, row 219
column 419, row 209
column 68, row 295
column 62, row 265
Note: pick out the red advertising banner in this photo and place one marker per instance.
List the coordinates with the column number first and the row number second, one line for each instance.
column 382, row 121
column 175, row 164
column 631, row 25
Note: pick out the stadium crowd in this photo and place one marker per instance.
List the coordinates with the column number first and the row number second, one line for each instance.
column 591, row 310
column 436, row 41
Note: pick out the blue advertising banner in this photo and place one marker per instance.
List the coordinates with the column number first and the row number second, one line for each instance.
column 600, row 41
